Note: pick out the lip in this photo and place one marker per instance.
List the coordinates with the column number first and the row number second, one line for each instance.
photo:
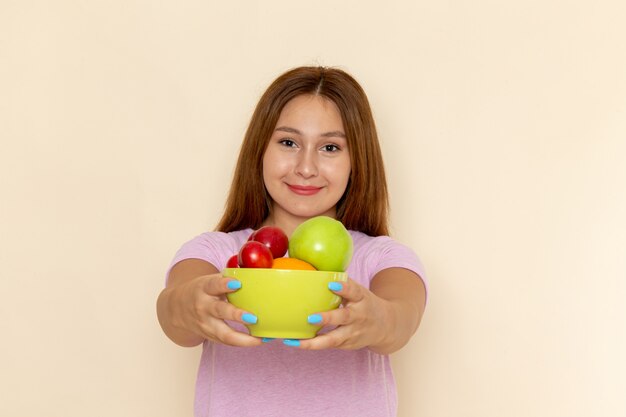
column 304, row 189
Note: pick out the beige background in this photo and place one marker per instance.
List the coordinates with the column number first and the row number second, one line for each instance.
column 504, row 131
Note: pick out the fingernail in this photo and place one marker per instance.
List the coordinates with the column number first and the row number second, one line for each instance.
column 249, row 318
column 335, row 286
column 314, row 318
column 292, row 342
column 267, row 339
column 234, row 284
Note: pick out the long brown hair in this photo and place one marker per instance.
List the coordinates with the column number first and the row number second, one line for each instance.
column 364, row 205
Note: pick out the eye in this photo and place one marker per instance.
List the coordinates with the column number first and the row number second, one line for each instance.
column 331, row 147
column 288, row 143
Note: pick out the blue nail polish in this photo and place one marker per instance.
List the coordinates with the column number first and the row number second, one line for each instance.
column 314, row 318
column 249, row 318
column 291, row 342
column 335, row 286
column 234, row 284
column 267, row 339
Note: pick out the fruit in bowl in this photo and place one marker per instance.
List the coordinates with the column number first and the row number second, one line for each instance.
column 323, row 242
column 283, row 291
column 283, row 299
column 273, row 237
column 292, row 263
column 255, row 255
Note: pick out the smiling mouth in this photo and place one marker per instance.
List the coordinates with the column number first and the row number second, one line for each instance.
column 304, row 189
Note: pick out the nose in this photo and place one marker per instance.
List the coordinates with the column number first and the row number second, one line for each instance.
column 306, row 166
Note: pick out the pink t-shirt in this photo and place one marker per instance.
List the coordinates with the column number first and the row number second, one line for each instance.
column 274, row 380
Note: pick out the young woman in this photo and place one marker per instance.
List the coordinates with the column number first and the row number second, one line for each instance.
column 311, row 149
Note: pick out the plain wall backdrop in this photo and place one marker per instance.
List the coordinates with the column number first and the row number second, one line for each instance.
column 503, row 127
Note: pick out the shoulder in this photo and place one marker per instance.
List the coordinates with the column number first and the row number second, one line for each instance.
column 372, row 254
column 213, row 247
column 378, row 244
column 236, row 238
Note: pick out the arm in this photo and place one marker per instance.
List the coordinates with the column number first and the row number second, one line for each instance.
column 382, row 318
column 405, row 295
column 193, row 307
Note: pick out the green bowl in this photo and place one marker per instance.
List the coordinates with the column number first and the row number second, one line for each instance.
column 283, row 299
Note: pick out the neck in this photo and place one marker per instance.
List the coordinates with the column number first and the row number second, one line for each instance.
column 288, row 222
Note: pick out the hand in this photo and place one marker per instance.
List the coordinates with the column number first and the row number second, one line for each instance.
column 362, row 322
column 199, row 306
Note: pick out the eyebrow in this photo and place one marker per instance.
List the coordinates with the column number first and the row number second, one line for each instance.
column 334, row 133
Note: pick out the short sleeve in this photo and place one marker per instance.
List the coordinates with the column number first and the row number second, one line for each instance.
column 212, row 247
column 374, row 254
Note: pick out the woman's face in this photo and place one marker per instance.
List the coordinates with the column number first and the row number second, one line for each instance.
column 306, row 166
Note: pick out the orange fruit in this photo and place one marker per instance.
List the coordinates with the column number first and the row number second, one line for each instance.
column 292, row 263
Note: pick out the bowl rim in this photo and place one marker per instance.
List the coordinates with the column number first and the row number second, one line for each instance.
column 298, row 271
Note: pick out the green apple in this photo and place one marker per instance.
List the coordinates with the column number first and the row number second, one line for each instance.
column 323, row 242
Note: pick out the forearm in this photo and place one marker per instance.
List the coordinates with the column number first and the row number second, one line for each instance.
column 175, row 333
column 172, row 301
column 401, row 320
column 403, row 299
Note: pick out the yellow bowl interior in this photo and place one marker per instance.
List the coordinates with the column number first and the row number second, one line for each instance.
column 283, row 299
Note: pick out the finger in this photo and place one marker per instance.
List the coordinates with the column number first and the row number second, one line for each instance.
column 348, row 290
column 225, row 311
column 340, row 338
column 337, row 317
column 217, row 285
column 291, row 342
column 235, row 338
column 220, row 332
column 332, row 339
